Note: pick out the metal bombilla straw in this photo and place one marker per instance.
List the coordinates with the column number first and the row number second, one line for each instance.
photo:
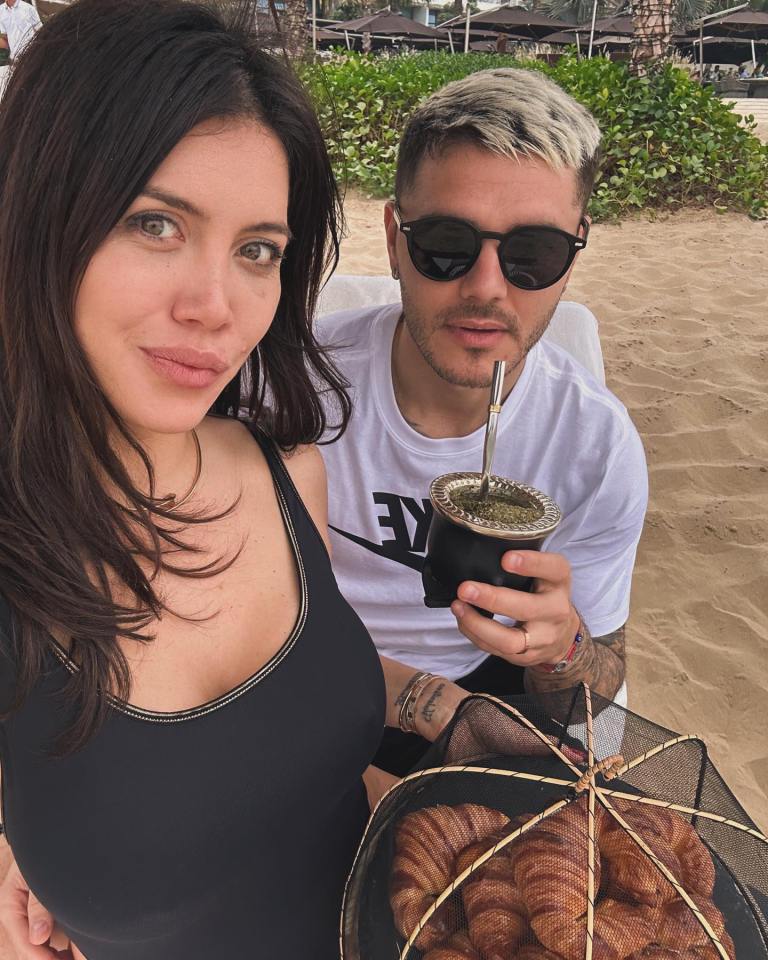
column 494, row 409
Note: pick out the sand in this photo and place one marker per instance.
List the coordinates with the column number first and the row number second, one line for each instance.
column 683, row 309
column 684, row 327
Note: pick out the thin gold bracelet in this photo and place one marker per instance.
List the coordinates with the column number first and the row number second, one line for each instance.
column 407, row 718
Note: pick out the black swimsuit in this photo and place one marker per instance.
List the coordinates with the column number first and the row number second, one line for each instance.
column 225, row 831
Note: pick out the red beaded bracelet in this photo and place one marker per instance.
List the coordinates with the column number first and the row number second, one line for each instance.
column 567, row 659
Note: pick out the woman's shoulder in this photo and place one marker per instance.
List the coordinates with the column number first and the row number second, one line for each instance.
column 306, row 469
column 304, row 464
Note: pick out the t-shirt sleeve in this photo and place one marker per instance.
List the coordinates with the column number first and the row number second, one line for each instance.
column 600, row 538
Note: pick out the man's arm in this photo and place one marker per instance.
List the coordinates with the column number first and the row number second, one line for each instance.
column 599, row 662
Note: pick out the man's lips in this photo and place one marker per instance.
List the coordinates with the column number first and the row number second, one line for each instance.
column 481, row 326
column 477, row 334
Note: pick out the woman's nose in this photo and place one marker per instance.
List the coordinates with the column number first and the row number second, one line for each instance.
column 204, row 294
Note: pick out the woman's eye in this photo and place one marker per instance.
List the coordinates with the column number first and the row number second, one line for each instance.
column 262, row 253
column 154, row 225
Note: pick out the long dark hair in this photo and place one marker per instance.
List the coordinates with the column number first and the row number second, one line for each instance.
column 100, row 97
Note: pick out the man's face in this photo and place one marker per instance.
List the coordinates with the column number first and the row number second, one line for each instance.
column 461, row 326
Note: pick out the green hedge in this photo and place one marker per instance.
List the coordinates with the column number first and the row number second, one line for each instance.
column 667, row 141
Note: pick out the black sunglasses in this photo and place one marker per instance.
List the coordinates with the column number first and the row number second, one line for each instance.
column 531, row 258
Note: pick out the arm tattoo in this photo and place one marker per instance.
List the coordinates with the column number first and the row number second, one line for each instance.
column 428, row 710
column 600, row 662
column 406, row 689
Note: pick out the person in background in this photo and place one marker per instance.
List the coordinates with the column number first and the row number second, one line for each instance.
column 18, row 22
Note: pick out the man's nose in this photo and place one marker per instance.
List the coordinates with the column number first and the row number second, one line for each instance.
column 485, row 281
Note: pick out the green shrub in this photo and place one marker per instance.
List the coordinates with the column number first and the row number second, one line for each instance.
column 666, row 140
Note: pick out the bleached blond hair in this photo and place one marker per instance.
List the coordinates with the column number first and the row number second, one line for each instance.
column 515, row 113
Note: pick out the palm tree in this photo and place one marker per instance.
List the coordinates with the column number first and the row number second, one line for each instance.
column 293, row 26
column 652, row 21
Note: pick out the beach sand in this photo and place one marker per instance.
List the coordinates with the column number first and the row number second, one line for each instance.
column 683, row 322
column 683, row 309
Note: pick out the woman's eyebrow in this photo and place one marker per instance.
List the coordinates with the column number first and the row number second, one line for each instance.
column 171, row 200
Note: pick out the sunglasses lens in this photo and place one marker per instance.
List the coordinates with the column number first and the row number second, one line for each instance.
column 442, row 249
column 535, row 257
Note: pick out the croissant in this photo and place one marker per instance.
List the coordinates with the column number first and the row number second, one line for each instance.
column 621, row 928
column 630, row 874
column 496, row 915
column 426, row 845
column 458, row 947
column 679, row 925
column 551, row 869
column 674, row 842
column 535, row 951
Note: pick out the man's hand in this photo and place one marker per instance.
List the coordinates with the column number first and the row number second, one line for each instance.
column 28, row 924
column 549, row 618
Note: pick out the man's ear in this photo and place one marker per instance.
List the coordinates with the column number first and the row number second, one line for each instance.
column 391, row 231
column 575, row 259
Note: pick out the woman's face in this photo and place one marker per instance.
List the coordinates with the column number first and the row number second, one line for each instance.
column 188, row 281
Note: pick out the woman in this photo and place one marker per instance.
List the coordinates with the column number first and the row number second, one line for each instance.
column 189, row 703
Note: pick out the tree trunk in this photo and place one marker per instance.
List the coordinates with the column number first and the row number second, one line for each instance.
column 293, row 27
column 652, row 23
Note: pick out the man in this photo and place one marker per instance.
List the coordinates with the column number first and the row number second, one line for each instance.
column 494, row 174
column 18, row 21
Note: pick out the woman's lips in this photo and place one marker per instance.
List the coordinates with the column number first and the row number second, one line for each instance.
column 186, row 368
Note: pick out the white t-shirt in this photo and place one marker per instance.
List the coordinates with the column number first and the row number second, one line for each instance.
column 559, row 431
column 18, row 23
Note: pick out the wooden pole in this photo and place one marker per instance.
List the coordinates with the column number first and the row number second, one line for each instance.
column 466, row 30
column 592, row 29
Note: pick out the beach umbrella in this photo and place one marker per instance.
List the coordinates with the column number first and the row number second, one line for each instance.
column 386, row 23
column 746, row 24
column 514, row 20
column 558, row 827
column 561, row 37
column 619, row 26
column 487, row 36
column 612, row 42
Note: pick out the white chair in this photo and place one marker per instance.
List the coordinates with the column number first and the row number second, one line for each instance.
column 573, row 326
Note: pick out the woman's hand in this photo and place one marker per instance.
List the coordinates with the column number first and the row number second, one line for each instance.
column 377, row 782
column 30, row 927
